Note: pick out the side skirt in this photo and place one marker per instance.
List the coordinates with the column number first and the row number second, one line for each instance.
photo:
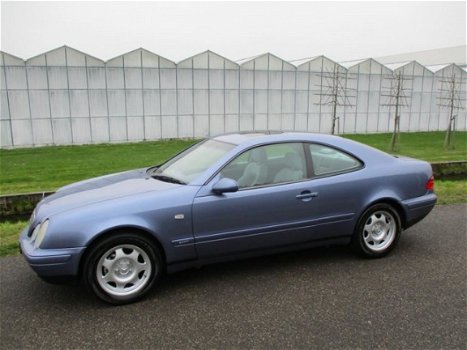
column 180, row 266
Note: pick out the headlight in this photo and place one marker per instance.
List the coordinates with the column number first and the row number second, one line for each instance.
column 39, row 236
column 34, row 233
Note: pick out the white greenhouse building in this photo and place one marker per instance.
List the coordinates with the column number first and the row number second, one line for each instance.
column 65, row 97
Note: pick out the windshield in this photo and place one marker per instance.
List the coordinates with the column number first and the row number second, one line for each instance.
column 191, row 163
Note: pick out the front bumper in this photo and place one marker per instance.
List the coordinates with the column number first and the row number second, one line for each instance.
column 417, row 208
column 50, row 262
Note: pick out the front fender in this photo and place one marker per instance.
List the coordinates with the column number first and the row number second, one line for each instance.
column 155, row 214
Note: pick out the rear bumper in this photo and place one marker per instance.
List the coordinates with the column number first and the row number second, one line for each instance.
column 48, row 263
column 417, row 208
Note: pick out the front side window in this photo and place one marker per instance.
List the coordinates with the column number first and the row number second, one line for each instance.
column 327, row 160
column 266, row 165
column 191, row 163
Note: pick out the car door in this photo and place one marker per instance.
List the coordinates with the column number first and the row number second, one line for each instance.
column 271, row 208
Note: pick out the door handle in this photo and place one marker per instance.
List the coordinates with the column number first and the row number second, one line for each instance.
column 307, row 195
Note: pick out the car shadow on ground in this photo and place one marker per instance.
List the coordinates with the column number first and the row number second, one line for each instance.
column 75, row 296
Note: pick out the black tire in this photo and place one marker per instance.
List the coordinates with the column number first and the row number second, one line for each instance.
column 377, row 214
column 127, row 246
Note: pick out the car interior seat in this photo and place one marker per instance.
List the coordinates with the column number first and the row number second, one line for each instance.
column 293, row 169
column 256, row 171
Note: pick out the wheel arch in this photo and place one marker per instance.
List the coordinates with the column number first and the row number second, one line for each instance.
column 396, row 204
column 121, row 229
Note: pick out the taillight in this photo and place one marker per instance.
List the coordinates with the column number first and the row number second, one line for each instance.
column 430, row 185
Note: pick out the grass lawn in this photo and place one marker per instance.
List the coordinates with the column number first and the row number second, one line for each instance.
column 422, row 145
column 48, row 168
column 9, row 233
column 449, row 192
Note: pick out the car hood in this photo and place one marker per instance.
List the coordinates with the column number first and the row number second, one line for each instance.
column 100, row 189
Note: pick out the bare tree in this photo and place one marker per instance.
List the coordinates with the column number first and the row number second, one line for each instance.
column 334, row 92
column 397, row 97
column 450, row 99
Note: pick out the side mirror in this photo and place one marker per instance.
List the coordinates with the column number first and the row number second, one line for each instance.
column 225, row 185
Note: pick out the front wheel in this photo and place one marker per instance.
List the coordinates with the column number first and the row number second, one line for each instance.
column 378, row 231
column 122, row 268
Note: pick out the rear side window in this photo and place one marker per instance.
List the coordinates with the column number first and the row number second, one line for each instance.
column 327, row 160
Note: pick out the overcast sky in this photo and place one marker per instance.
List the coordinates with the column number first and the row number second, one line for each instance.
column 292, row 30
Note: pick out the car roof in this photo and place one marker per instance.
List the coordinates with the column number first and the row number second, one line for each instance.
column 251, row 138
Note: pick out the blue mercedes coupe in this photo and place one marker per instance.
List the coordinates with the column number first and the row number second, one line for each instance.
column 227, row 197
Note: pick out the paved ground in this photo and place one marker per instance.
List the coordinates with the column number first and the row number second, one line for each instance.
column 321, row 298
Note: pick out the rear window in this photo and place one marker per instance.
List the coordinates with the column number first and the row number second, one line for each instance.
column 327, row 160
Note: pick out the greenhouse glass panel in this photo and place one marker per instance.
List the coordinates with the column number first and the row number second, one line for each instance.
column 5, row 133
column 151, row 102
column 39, row 101
column 274, row 122
column 246, row 122
column 16, row 77
column 37, row 78
column 231, row 123
column 260, row 122
column 275, row 80
column 288, row 102
column 118, row 128
column 76, row 78
column 42, row 132
column 201, row 126
column 261, row 101
column 200, row 78
column 185, row 102
column 79, row 104
column 246, row 101
column 201, row 98
column 231, row 79
column 98, row 103
column 134, row 102
column 216, row 79
column 81, row 131
column 217, row 124
column 58, row 77
column 116, row 103
column 150, row 78
column 62, row 132
column 153, row 127
column 168, row 106
column 185, row 78
column 261, row 79
column 288, row 122
column 133, row 78
column 59, row 104
column 100, row 130
column 135, row 128
column 231, row 102
column 115, row 78
column 185, row 126
column 275, row 103
column 216, row 101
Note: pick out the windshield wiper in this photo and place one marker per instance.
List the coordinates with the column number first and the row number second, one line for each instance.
column 170, row 179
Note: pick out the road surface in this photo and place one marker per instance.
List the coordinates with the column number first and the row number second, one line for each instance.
column 319, row 298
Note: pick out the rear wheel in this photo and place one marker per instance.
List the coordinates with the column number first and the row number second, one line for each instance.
column 378, row 231
column 122, row 268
